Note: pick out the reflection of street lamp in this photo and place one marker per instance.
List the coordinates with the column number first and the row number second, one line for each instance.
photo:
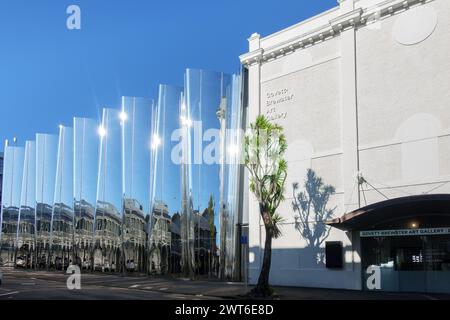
column 156, row 142
column 101, row 131
column 123, row 116
column 186, row 121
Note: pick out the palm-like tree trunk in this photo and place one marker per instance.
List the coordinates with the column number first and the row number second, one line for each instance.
column 263, row 287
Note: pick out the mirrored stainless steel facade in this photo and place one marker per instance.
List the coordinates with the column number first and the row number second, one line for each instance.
column 206, row 94
column 46, row 162
column 26, row 232
column 108, row 213
column 62, row 235
column 151, row 188
column 231, row 217
column 137, row 142
column 12, row 185
column 86, row 159
column 166, row 231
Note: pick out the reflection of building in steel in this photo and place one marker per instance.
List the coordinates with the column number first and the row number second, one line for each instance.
column 9, row 232
column 62, row 236
column 206, row 259
column 26, row 231
column 134, row 236
column 90, row 199
column 175, row 246
column 107, row 237
column 160, row 238
column 43, row 227
column 83, row 233
column 1, row 176
column 26, row 237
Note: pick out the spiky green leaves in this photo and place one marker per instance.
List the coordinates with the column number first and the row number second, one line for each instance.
column 264, row 148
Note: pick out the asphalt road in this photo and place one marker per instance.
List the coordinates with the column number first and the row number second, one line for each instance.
column 42, row 285
column 19, row 285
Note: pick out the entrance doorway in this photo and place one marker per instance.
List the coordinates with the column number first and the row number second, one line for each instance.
column 409, row 263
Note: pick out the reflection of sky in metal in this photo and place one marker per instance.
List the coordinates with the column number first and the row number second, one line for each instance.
column 136, row 140
column 12, row 176
column 168, row 184
column 110, row 171
column 86, row 159
column 46, row 157
column 11, row 185
column 204, row 93
column 28, row 194
column 64, row 168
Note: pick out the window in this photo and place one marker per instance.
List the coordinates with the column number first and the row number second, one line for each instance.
column 334, row 254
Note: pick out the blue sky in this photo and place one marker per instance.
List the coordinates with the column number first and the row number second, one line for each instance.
column 48, row 74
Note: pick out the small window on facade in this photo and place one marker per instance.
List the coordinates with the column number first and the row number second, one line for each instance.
column 334, row 254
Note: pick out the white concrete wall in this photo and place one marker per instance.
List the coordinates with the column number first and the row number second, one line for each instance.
column 359, row 101
column 404, row 102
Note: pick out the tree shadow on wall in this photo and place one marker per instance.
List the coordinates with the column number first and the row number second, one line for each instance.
column 310, row 207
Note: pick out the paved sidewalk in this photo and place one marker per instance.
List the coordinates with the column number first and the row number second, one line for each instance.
column 213, row 288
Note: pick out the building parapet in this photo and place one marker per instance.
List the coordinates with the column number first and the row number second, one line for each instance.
column 330, row 29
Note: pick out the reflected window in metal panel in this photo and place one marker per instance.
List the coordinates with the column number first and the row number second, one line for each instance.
column 86, row 161
column 12, row 185
column 108, row 214
column 62, row 217
column 26, row 233
column 137, row 142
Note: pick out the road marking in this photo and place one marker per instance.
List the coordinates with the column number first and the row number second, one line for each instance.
column 9, row 293
column 134, row 286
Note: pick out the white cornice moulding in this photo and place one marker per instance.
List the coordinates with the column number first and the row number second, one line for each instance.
column 353, row 19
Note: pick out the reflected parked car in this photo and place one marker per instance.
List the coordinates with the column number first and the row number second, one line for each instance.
column 130, row 266
column 21, row 262
column 86, row 264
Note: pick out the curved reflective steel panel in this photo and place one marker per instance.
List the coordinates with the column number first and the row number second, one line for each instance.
column 206, row 94
column 62, row 217
column 136, row 145
column 231, row 169
column 12, row 185
column 86, row 159
column 26, row 233
column 108, row 213
column 154, row 188
column 166, row 236
column 46, row 159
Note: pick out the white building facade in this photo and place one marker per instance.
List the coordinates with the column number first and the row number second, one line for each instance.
column 363, row 94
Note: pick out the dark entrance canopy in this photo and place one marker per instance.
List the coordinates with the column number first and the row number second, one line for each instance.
column 426, row 207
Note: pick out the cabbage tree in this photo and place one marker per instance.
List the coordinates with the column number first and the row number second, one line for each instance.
column 265, row 145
